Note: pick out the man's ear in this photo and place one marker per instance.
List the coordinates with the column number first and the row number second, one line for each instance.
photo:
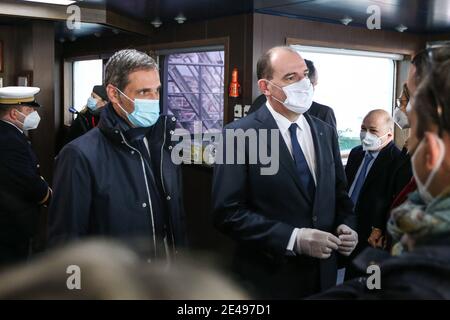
column 433, row 150
column 262, row 84
column 14, row 114
column 112, row 93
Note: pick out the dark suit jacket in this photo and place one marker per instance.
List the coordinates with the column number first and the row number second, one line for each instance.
column 317, row 110
column 324, row 113
column 21, row 188
column 261, row 212
column 378, row 192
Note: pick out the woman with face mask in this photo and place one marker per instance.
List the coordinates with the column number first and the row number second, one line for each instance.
column 89, row 116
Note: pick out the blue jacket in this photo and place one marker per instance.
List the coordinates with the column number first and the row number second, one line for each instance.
column 101, row 188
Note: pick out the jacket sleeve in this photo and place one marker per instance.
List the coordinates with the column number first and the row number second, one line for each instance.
column 70, row 206
column 24, row 176
column 344, row 205
column 233, row 216
column 78, row 128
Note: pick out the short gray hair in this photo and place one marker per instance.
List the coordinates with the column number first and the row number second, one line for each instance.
column 125, row 62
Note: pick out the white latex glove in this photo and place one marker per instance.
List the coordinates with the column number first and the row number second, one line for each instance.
column 316, row 243
column 349, row 239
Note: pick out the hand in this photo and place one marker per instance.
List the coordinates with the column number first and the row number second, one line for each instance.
column 376, row 239
column 316, row 243
column 348, row 238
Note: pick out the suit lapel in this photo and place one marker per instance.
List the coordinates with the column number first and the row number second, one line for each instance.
column 320, row 161
column 265, row 117
column 355, row 166
column 379, row 164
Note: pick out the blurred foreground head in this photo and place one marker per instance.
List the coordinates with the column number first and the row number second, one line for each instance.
column 112, row 271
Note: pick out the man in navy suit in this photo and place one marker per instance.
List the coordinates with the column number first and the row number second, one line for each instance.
column 22, row 189
column 290, row 225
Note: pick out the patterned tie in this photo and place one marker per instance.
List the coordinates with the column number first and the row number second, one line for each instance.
column 305, row 175
column 361, row 178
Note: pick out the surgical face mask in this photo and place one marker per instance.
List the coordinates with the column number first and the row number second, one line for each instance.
column 31, row 121
column 145, row 114
column 299, row 96
column 371, row 142
column 92, row 104
column 401, row 119
column 423, row 187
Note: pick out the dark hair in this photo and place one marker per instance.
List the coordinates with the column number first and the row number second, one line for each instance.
column 312, row 71
column 432, row 100
column 421, row 62
column 264, row 68
column 125, row 62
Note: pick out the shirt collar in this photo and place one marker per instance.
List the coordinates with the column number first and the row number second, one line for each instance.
column 374, row 154
column 283, row 122
column 13, row 125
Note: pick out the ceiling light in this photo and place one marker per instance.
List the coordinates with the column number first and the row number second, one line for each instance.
column 346, row 20
column 401, row 28
column 58, row 2
column 180, row 18
column 156, row 22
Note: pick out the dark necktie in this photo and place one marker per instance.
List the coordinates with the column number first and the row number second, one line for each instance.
column 361, row 178
column 303, row 170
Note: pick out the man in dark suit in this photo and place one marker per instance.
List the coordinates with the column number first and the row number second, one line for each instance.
column 317, row 110
column 22, row 189
column 369, row 171
column 289, row 225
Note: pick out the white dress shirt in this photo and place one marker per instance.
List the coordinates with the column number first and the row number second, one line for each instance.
column 304, row 137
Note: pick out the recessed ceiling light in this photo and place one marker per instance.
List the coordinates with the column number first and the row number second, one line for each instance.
column 180, row 18
column 346, row 20
column 58, row 2
column 401, row 28
column 156, row 22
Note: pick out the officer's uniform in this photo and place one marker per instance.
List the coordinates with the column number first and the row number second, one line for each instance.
column 22, row 189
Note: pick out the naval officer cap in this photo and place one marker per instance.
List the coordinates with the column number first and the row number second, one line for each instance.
column 19, row 96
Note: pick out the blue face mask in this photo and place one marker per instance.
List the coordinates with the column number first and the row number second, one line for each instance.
column 145, row 114
column 92, row 104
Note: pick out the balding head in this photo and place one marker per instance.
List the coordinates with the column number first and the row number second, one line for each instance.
column 267, row 62
column 380, row 123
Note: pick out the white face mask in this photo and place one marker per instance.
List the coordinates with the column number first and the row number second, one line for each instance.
column 31, row 121
column 299, row 96
column 401, row 119
column 371, row 142
column 423, row 188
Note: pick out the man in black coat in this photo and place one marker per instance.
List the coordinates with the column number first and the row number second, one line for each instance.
column 22, row 189
column 317, row 110
column 291, row 223
column 118, row 180
column 369, row 171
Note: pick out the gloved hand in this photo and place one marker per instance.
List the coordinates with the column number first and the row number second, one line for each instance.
column 316, row 243
column 349, row 239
